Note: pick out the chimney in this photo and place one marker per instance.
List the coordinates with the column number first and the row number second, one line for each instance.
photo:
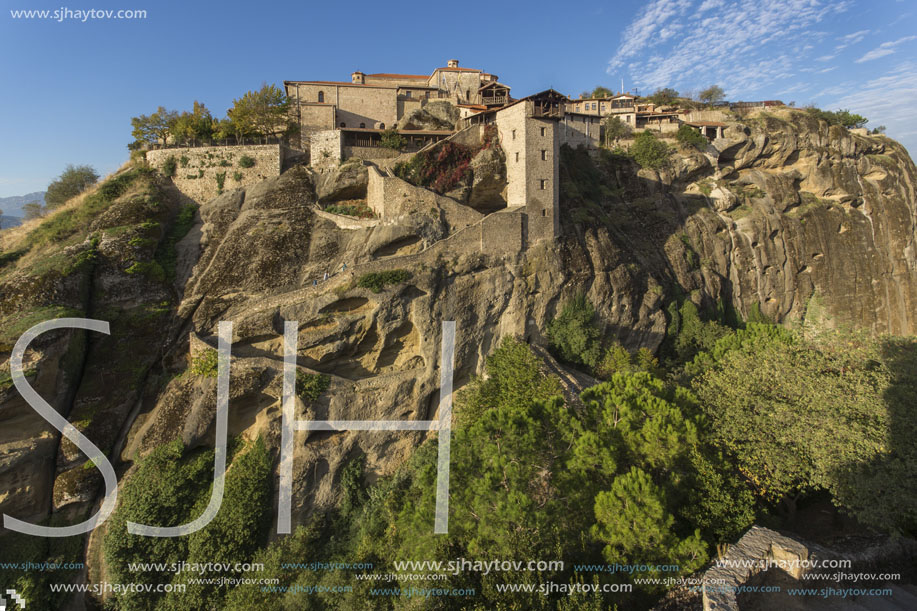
column 358, row 78
column 453, row 63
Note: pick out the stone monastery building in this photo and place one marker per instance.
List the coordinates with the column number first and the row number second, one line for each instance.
column 349, row 119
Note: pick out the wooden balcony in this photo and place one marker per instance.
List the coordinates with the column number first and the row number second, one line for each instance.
column 553, row 111
column 494, row 100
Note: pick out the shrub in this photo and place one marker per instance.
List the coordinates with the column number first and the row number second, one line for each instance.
column 246, row 162
column 237, row 176
column 360, row 210
column 573, row 334
column 376, row 281
column 440, row 169
column 664, row 96
column 310, row 386
column 844, row 117
column 73, row 181
column 221, row 179
column 206, row 363
column 169, row 166
column 690, row 136
column 151, row 269
column 183, row 161
column 392, row 139
column 615, row 129
column 712, row 94
column 649, row 151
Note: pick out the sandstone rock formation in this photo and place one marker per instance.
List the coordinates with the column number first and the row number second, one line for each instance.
column 435, row 115
column 808, row 222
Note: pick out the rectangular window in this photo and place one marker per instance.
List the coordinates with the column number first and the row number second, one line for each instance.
column 517, row 155
column 407, row 94
column 544, row 155
column 542, row 131
column 514, row 137
column 543, row 184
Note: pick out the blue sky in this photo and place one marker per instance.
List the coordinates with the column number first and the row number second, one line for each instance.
column 69, row 88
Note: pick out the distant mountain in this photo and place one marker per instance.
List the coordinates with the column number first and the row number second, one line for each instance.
column 9, row 221
column 12, row 206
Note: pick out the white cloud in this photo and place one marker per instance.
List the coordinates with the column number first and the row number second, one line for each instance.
column 886, row 48
column 639, row 34
column 852, row 39
column 886, row 100
column 710, row 4
column 719, row 41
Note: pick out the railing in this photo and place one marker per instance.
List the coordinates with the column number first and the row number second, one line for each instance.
column 224, row 142
column 495, row 99
column 540, row 111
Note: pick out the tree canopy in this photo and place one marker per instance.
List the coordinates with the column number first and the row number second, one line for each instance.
column 72, row 181
column 264, row 113
column 615, row 129
column 844, row 117
column 649, row 151
column 154, row 128
column 32, row 210
column 664, row 96
column 712, row 94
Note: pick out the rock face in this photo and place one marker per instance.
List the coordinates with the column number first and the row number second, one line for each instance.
column 808, row 222
column 436, row 115
column 343, row 182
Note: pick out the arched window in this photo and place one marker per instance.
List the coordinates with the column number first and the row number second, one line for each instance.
column 321, row 97
column 343, row 124
column 468, row 94
column 382, row 126
column 362, row 125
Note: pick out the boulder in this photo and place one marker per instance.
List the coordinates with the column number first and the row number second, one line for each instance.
column 344, row 182
column 437, row 115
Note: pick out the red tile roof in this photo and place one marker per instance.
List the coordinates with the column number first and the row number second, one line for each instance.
column 378, row 86
column 392, row 75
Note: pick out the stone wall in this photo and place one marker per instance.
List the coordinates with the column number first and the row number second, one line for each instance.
column 315, row 116
column 353, row 104
column 198, row 168
column 369, row 152
column 325, row 148
column 389, row 196
column 662, row 128
column 705, row 115
column 511, row 131
column 502, row 233
column 580, row 130
column 532, row 148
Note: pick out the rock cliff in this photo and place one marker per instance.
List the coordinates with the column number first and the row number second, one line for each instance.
column 806, row 222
